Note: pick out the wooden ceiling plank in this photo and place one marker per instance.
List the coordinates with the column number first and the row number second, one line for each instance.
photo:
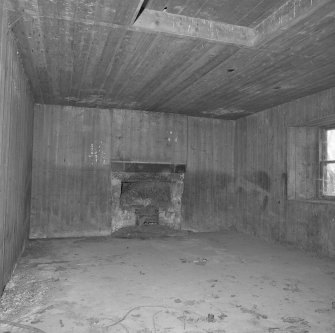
column 289, row 14
column 185, row 55
column 257, row 12
column 107, row 58
column 129, row 54
column 139, row 67
column 165, row 58
column 94, row 31
column 57, row 8
column 120, row 55
column 319, row 26
column 232, row 93
column 65, row 60
column 196, row 91
column 239, row 9
column 99, row 38
column 258, row 84
column 193, row 71
column 184, row 26
column 52, row 45
column 109, row 13
column 72, row 36
column 191, row 7
column 125, row 11
column 157, row 4
column 291, row 88
column 253, row 70
column 81, row 42
column 39, row 51
column 297, row 57
column 99, row 41
column 269, row 100
column 78, row 20
column 242, row 12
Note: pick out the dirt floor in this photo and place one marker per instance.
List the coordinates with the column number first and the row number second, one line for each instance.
column 168, row 282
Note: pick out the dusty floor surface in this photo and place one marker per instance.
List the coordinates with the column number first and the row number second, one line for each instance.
column 222, row 282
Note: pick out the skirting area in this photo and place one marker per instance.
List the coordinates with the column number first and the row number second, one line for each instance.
column 184, row 282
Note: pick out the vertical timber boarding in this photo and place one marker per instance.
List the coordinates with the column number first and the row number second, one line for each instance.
column 73, row 148
column 16, row 126
column 289, row 204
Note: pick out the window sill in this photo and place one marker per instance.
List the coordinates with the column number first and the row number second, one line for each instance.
column 315, row 201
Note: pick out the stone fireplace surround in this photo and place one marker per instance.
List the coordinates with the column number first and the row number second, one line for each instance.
column 168, row 178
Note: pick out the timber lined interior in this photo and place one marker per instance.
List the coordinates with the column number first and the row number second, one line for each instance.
column 225, row 98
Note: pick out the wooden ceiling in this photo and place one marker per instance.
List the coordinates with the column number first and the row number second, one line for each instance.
column 209, row 58
column 239, row 12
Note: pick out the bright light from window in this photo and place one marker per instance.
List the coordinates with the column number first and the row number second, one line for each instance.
column 328, row 163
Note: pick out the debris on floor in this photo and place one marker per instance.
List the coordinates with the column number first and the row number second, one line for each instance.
column 210, row 318
column 107, row 284
column 11, row 327
column 200, row 261
column 197, row 261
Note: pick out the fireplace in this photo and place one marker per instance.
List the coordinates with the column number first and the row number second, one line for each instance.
column 146, row 193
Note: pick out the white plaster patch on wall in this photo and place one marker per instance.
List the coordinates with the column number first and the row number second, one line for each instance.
column 97, row 153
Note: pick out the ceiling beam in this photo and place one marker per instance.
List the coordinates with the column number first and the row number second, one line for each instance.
column 185, row 26
column 289, row 14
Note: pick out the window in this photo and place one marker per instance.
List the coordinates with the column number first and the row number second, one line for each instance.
column 327, row 162
column 311, row 160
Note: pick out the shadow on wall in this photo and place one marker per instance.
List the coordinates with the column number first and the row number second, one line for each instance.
column 261, row 207
column 226, row 180
column 258, row 184
column 260, row 179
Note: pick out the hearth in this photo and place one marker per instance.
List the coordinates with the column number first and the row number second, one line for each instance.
column 146, row 194
column 147, row 215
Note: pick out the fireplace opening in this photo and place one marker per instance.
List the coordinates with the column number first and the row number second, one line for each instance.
column 146, row 193
column 147, row 215
column 146, row 199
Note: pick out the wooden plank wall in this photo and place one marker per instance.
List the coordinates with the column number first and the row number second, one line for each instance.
column 73, row 148
column 262, row 173
column 70, row 172
column 209, row 184
column 16, row 130
column 302, row 162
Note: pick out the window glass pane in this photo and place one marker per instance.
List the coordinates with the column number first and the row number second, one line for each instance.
column 330, row 144
column 329, row 179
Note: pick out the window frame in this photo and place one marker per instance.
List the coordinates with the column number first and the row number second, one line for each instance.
column 323, row 161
